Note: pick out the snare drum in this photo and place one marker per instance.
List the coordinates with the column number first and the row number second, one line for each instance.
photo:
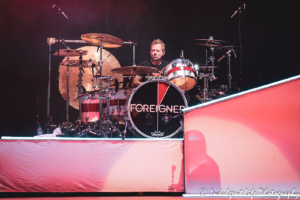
column 154, row 107
column 181, row 73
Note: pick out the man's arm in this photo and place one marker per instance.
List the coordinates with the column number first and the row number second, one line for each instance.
column 136, row 81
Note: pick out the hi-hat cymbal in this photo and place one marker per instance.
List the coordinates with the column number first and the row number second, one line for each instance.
column 76, row 63
column 138, row 70
column 212, row 43
column 72, row 52
column 97, row 39
column 109, row 63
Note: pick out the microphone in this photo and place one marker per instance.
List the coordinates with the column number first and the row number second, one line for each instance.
column 240, row 8
column 60, row 11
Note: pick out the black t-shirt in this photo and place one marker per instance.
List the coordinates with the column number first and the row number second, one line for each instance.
column 146, row 63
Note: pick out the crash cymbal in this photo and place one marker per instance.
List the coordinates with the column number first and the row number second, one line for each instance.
column 72, row 52
column 95, row 39
column 76, row 63
column 138, row 70
column 212, row 43
column 109, row 63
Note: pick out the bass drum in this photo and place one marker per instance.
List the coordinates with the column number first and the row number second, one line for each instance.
column 153, row 108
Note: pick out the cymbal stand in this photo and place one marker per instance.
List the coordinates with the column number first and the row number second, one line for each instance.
column 68, row 96
column 133, row 60
column 79, row 88
column 50, row 41
column 212, row 59
column 131, row 74
column 101, row 86
column 107, row 95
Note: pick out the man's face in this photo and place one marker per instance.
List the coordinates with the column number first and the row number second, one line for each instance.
column 156, row 52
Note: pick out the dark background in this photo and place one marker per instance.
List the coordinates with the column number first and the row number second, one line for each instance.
column 270, row 38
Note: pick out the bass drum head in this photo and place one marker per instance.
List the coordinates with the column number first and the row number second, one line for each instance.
column 153, row 107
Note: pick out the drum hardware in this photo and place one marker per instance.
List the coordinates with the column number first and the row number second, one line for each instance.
column 103, row 40
column 85, row 63
column 80, row 75
column 68, row 97
column 72, row 64
column 206, row 77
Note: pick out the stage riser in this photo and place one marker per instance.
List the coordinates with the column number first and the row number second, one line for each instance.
column 91, row 166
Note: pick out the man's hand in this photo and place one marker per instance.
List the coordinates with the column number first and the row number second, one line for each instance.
column 136, row 81
column 156, row 74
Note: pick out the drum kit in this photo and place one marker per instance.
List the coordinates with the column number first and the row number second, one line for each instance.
column 91, row 80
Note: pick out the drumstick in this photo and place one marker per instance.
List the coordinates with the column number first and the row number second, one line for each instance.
column 162, row 70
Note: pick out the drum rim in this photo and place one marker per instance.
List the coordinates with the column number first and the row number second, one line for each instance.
column 181, row 76
column 132, row 125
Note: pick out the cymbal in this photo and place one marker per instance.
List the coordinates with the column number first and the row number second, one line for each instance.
column 138, row 70
column 212, row 43
column 76, row 63
column 109, row 63
column 95, row 39
column 72, row 52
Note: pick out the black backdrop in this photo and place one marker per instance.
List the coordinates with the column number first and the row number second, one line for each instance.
column 270, row 37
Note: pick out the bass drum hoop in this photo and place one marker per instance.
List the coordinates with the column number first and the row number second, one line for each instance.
column 132, row 125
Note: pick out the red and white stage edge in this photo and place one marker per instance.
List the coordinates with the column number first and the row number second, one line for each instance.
column 83, row 165
column 243, row 145
column 248, row 142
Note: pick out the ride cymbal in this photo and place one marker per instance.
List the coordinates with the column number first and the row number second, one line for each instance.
column 98, row 39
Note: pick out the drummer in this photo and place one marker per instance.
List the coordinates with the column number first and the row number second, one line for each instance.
column 157, row 51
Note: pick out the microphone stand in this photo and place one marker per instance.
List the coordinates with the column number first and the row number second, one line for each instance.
column 58, row 63
column 239, row 11
column 241, row 50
